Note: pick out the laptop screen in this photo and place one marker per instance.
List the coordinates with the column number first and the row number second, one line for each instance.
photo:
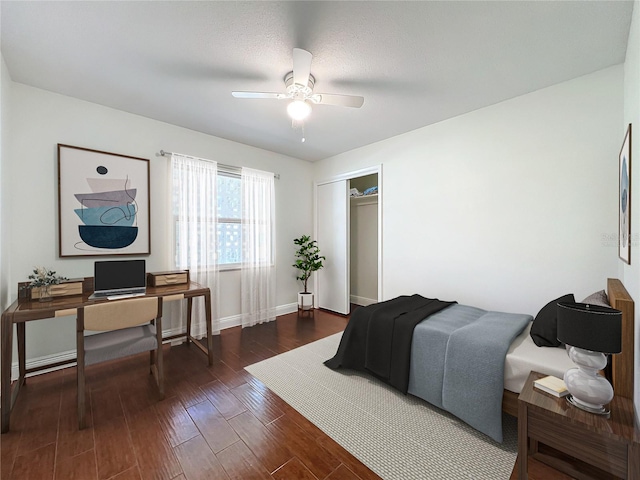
column 119, row 274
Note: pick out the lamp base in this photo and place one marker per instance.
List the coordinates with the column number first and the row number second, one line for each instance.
column 589, row 390
column 598, row 410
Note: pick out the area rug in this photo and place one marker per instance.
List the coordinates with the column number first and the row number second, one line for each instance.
column 397, row 436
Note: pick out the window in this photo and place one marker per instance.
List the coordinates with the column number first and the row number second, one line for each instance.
column 228, row 228
column 229, row 218
column 207, row 210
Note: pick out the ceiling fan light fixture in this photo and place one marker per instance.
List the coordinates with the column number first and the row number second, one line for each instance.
column 298, row 109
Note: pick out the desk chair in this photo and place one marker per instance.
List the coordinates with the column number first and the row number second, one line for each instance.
column 128, row 327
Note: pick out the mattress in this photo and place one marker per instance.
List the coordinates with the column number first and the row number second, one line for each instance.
column 524, row 356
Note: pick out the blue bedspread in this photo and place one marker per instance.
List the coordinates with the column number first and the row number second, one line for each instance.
column 457, row 363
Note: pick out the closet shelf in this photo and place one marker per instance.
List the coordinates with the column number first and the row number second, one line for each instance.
column 365, row 200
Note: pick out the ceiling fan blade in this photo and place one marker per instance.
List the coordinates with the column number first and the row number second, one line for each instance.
column 258, row 95
column 301, row 66
column 340, row 100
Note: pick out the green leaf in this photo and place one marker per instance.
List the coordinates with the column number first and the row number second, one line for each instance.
column 308, row 257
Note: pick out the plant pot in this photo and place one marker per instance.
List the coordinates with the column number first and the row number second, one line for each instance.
column 305, row 301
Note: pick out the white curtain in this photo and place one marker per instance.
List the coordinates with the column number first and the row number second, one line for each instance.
column 194, row 217
column 258, row 270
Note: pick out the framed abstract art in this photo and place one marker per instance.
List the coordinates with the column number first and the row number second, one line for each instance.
column 103, row 203
column 624, row 199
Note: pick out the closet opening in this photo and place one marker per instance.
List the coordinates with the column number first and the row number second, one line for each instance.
column 363, row 252
column 348, row 229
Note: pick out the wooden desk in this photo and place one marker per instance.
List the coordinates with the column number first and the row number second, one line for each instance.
column 24, row 310
column 578, row 443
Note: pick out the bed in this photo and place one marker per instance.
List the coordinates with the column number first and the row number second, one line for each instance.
column 468, row 361
column 619, row 372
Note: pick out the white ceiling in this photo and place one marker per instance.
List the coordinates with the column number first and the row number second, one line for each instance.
column 415, row 63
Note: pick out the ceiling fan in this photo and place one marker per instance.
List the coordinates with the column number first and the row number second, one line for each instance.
column 299, row 88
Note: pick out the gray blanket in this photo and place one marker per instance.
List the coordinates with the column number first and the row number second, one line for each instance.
column 457, row 363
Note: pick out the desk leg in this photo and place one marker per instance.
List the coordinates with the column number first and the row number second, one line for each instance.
column 523, row 453
column 207, row 308
column 7, row 346
column 22, row 354
column 189, row 308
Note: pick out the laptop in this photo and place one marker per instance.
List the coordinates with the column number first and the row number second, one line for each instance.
column 118, row 278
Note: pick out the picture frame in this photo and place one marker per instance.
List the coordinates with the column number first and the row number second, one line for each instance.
column 103, row 203
column 624, row 199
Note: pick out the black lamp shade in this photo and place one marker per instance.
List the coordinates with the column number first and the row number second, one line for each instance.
column 590, row 327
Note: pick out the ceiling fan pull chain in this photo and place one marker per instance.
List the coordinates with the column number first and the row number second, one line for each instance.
column 298, row 124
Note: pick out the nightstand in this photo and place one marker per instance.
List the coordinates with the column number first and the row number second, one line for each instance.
column 578, row 443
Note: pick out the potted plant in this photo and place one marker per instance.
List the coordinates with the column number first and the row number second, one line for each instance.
column 308, row 261
column 41, row 281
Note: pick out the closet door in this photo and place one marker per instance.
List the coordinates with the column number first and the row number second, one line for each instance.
column 332, row 234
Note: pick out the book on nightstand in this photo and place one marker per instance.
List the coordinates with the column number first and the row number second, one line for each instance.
column 553, row 385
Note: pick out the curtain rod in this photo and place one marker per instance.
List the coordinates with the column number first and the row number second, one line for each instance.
column 226, row 167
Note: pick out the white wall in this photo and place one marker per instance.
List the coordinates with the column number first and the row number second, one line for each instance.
column 40, row 120
column 506, row 207
column 5, row 85
column 631, row 273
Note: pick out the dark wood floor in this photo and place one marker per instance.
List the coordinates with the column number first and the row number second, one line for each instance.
column 216, row 422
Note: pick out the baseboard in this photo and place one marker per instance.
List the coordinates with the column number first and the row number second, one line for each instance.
column 226, row 322
column 45, row 360
column 286, row 309
column 362, row 301
column 236, row 320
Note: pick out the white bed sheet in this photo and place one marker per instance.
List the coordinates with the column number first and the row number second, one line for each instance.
column 524, row 356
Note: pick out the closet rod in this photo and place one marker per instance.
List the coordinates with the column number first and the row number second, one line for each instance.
column 222, row 165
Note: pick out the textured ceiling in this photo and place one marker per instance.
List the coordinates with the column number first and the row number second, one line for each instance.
column 415, row 63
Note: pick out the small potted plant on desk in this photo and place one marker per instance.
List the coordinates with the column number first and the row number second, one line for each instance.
column 308, row 261
column 41, row 281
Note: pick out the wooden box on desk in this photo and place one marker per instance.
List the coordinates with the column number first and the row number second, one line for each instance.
column 163, row 279
column 63, row 289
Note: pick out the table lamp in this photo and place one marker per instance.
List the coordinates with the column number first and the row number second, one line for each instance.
column 591, row 331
